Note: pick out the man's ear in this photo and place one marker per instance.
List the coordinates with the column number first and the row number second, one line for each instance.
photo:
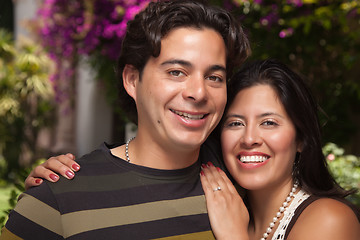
column 131, row 78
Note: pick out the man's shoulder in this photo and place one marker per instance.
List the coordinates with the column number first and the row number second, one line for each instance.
column 94, row 165
column 97, row 156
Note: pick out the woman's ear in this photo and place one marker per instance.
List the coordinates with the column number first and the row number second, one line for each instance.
column 299, row 147
column 131, row 77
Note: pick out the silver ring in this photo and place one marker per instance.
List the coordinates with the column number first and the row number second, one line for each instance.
column 217, row 189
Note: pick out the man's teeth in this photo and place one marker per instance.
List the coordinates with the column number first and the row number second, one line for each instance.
column 253, row 159
column 189, row 116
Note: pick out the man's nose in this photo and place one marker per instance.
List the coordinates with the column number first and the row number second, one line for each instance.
column 195, row 89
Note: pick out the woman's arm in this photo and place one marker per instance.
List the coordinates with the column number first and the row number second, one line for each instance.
column 228, row 214
column 62, row 164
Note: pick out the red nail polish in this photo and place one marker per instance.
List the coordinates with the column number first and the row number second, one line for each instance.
column 210, row 164
column 69, row 174
column 202, row 173
column 38, row 181
column 219, row 169
column 75, row 167
column 54, row 177
column 203, row 166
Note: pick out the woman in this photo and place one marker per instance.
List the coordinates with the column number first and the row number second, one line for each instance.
column 271, row 146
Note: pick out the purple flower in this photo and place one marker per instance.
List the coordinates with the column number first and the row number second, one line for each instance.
column 75, row 27
column 296, row 3
column 286, row 32
column 131, row 12
column 269, row 20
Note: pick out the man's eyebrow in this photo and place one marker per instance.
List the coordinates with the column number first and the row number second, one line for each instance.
column 177, row 61
column 215, row 67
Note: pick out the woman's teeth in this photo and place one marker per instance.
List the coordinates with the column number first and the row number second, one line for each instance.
column 253, row 159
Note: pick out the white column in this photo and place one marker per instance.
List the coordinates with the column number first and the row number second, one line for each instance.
column 85, row 129
column 93, row 113
column 24, row 10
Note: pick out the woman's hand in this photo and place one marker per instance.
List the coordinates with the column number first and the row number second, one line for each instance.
column 228, row 214
column 62, row 164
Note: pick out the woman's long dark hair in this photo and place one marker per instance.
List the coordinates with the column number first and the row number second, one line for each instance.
column 310, row 167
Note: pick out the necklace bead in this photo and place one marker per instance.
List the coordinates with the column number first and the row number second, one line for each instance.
column 127, row 149
column 281, row 210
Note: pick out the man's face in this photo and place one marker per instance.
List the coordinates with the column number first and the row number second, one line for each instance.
column 182, row 93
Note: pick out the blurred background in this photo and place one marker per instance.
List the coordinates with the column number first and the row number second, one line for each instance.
column 58, row 87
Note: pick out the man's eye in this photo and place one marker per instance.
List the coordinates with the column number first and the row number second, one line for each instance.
column 176, row 73
column 215, row 78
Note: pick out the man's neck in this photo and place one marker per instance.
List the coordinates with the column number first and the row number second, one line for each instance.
column 152, row 154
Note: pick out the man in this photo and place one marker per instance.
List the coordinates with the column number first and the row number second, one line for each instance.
column 174, row 63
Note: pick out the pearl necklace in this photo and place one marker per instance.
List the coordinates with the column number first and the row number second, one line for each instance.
column 127, row 149
column 281, row 210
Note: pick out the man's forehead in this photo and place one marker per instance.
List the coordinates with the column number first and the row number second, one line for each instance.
column 188, row 46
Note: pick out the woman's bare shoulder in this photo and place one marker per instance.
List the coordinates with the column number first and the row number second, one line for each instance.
column 326, row 218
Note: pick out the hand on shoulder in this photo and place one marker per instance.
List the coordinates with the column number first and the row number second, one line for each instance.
column 49, row 170
column 326, row 218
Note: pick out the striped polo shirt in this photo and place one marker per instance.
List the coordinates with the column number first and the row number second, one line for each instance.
column 112, row 199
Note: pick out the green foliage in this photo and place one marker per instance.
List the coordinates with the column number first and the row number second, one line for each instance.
column 320, row 40
column 344, row 168
column 25, row 99
column 17, row 187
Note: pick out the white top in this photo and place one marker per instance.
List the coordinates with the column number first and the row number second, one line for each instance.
column 288, row 214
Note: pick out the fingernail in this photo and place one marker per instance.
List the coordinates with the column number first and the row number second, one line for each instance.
column 202, row 173
column 75, row 167
column 54, row 177
column 210, row 164
column 219, row 169
column 69, row 174
column 203, row 166
column 38, row 181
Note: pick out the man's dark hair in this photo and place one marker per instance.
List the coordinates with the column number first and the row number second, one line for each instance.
column 145, row 32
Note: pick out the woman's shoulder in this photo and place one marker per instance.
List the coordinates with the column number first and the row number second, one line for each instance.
column 326, row 218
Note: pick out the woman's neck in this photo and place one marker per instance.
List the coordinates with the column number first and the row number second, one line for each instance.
column 264, row 204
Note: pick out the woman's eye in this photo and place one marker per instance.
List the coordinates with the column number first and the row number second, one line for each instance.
column 269, row 123
column 176, row 73
column 234, row 124
column 215, row 78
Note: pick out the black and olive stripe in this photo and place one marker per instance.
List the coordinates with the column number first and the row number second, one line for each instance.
column 112, row 199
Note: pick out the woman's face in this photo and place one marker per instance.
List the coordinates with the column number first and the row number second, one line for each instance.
column 259, row 139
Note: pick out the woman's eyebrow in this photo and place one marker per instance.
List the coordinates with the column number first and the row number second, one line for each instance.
column 234, row 116
column 266, row 114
